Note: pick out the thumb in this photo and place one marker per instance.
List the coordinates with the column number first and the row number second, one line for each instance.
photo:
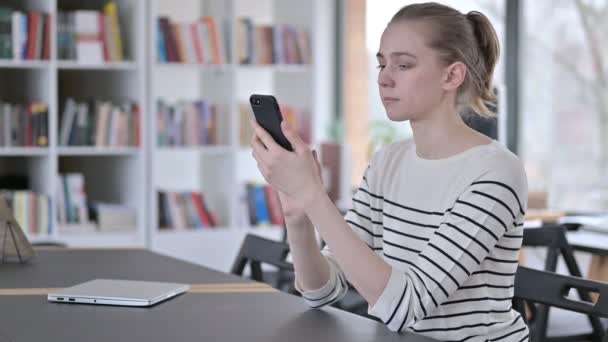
column 294, row 139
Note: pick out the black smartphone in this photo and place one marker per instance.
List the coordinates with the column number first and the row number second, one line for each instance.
column 268, row 115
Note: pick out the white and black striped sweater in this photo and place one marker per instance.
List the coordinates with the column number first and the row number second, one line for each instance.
column 451, row 230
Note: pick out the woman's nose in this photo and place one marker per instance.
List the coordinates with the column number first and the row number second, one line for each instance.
column 385, row 79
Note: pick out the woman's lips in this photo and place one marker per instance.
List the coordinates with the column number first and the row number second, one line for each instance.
column 389, row 99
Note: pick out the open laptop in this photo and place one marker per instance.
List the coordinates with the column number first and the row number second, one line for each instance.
column 118, row 292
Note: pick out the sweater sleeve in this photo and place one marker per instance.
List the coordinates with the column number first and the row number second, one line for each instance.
column 364, row 222
column 493, row 204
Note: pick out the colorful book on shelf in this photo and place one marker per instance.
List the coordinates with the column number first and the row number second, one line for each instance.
column 24, row 35
column 184, row 210
column 89, row 42
column 198, row 42
column 73, row 199
column 31, row 210
column 192, row 217
column 244, row 32
column 24, row 125
column 186, row 123
column 197, row 201
column 99, row 123
column 300, row 119
column 87, row 36
column 6, row 41
column 113, row 30
column 262, row 205
column 215, row 38
column 271, row 44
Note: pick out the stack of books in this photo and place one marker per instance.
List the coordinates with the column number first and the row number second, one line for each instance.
column 111, row 217
column 185, row 211
column 187, row 123
column 200, row 42
column 271, row 44
column 31, row 210
column 89, row 36
column 24, row 125
column 100, row 123
column 24, row 35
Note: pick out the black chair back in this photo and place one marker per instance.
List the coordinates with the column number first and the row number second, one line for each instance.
column 553, row 237
column 256, row 251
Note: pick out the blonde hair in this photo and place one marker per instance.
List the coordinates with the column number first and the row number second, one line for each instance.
column 468, row 38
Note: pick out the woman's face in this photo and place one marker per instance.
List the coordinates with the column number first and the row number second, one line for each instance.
column 410, row 75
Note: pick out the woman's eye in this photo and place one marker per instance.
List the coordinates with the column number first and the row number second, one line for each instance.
column 403, row 67
column 380, row 66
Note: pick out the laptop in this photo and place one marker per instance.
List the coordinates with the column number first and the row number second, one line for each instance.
column 118, row 292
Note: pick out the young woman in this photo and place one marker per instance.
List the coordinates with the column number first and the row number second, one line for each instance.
column 433, row 238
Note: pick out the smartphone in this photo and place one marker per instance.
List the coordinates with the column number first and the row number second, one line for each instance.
column 268, row 115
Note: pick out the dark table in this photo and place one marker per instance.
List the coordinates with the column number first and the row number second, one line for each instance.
column 232, row 316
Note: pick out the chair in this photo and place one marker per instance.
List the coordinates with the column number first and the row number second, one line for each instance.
column 256, row 251
column 553, row 237
column 551, row 289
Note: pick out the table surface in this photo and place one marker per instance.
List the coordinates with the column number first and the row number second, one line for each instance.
column 588, row 241
column 245, row 316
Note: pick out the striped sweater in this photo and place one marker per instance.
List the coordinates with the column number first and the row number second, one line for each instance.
column 451, row 230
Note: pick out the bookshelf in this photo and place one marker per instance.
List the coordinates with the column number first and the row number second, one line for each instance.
column 221, row 171
column 133, row 175
column 111, row 174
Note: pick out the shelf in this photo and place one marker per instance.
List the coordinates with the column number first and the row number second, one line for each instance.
column 105, row 239
column 262, row 230
column 24, row 64
column 172, row 66
column 41, row 238
column 287, row 68
column 207, row 150
column 73, row 65
column 97, row 151
column 24, row 151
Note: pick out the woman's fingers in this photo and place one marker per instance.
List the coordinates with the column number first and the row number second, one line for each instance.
column 258, row 149
column 294, row 139
column 264, row 136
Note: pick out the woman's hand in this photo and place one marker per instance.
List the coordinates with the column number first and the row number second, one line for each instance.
column 295, row 175
column 291, row 212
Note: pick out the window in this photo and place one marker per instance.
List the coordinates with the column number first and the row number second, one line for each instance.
column 563, row 133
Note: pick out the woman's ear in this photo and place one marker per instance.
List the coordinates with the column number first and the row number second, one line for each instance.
column 455, row 74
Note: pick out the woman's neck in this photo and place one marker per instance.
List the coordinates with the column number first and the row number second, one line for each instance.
column 443, row 133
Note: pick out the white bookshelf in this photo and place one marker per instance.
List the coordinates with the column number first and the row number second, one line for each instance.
column 111, row 174
column 133, row 175
column 220, row 171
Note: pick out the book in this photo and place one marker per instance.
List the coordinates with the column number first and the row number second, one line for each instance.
column 110, row 10
column 200, row 42
column 112, row 217
column 186, row 123
column 24, row 125
column 6, row 39
column 271, row 44
column 99, row 123
column 185, row 210
column 274, row 206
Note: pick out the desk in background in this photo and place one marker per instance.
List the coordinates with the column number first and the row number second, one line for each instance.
column 582, row 239
column 221, row 316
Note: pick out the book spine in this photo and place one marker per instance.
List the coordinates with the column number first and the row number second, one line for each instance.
column 111, row 10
